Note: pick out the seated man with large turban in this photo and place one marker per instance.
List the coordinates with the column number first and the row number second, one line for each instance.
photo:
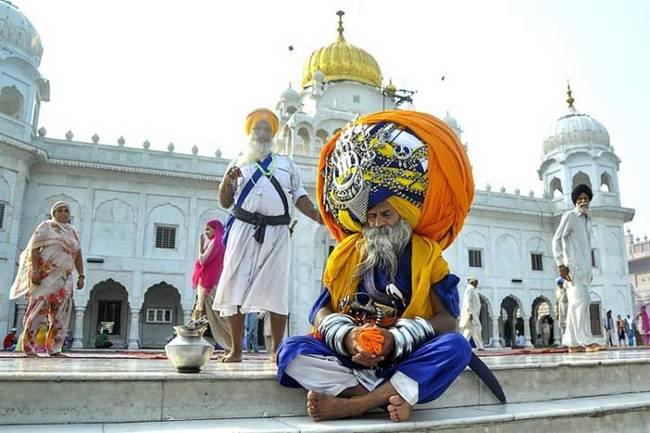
column 394, row 190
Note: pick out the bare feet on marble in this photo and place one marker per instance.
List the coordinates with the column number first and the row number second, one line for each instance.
column 322, row 407
column 231, row 357
column 398, row 409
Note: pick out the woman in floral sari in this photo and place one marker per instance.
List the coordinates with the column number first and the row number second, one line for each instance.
column 45, row 278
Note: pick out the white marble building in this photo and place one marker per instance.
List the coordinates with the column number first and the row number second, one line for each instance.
column 140, row 211
column 638, row 256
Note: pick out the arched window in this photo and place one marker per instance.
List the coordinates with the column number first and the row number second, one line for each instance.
column 322, row 134
column 606, row 184
column 11, row 102
column 555, row 187
column 304, row 134
column 581, row 178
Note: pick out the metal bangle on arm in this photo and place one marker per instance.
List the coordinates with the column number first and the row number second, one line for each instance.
column 409, row 334
column 333, row 328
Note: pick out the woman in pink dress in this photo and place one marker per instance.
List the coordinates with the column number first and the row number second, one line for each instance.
column 207, row 270
column 645, row 325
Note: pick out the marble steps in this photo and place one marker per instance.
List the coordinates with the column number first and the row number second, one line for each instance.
column 628, row 412
column 88, row 391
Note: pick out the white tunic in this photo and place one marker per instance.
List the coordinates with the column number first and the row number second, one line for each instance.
column 255, row 276
column 572, row 248
column 471, row 306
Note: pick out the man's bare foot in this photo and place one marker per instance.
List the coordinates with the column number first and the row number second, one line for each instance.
column 355, row 391
column 273, row 357
column 231, row 357
column 594, row 348
column 321, row 407
column 398, row 409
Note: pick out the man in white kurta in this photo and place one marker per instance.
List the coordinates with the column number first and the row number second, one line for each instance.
column 470, row 312
column 255, row 274
column 572, row 251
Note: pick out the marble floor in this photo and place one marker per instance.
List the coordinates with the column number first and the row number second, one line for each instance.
column 258, row 366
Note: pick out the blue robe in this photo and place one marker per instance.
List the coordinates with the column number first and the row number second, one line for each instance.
column 434, row 365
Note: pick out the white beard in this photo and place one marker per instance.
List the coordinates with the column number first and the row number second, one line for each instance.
column 382, row 246
column 256, row 151
column 584, row 210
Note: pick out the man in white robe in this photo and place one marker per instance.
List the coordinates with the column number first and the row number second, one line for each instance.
column 470, row 324
column 572, row 251
column 255, row 275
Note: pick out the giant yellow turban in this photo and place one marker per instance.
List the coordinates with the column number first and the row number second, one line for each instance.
column 258, row 115
column 414, row 161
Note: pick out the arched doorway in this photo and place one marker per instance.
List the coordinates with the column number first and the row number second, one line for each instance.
column 161, row 310
column 510, row 321
column 541, row 322
column 486, row 323
column 108, row 308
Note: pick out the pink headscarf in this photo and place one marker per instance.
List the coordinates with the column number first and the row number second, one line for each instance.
column 645, row 321
column 208, row 273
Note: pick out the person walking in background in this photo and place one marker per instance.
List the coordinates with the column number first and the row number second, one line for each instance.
column 45, row 278
column 470, row 311
column 644, row 322
column 620, row 330
column 207, row 270
column 250, row 333
column 608, row 324
column 630, row 330
column 266, row 329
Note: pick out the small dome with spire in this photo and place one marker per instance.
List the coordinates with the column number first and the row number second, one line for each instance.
column 18, row 35
column 575, row 129
column 290, row 95
column 342, row 61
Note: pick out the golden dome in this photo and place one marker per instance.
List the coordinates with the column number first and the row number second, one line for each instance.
column 342, row 61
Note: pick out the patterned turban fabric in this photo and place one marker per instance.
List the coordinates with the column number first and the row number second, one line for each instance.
column 415, row 162
column 258, row 115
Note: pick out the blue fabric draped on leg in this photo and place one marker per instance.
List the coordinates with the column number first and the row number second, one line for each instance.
column 434, row 365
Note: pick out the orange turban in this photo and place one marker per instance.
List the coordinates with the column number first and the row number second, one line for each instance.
column 435, row 200
column 415, row 162
column 261, row 114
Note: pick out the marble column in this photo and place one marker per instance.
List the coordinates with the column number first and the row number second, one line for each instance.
column 78, row 335
column 20, row 314
column 527, row 334
column 496, row 337
column 134, row 331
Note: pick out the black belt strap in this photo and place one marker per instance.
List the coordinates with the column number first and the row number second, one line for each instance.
column 261, row 221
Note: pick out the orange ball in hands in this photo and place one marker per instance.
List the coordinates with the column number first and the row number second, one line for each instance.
column 370, row 340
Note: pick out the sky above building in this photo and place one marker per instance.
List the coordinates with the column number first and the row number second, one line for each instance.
column 188, row 72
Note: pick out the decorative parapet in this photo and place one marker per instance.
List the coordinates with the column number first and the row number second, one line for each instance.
column 132, row 160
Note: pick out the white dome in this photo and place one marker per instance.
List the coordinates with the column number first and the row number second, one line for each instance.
column 290, row 95
column 18, row 35
column 576, row 129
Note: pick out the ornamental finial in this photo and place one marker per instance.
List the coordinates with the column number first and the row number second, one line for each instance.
column 340, row 28
column 570, row 99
